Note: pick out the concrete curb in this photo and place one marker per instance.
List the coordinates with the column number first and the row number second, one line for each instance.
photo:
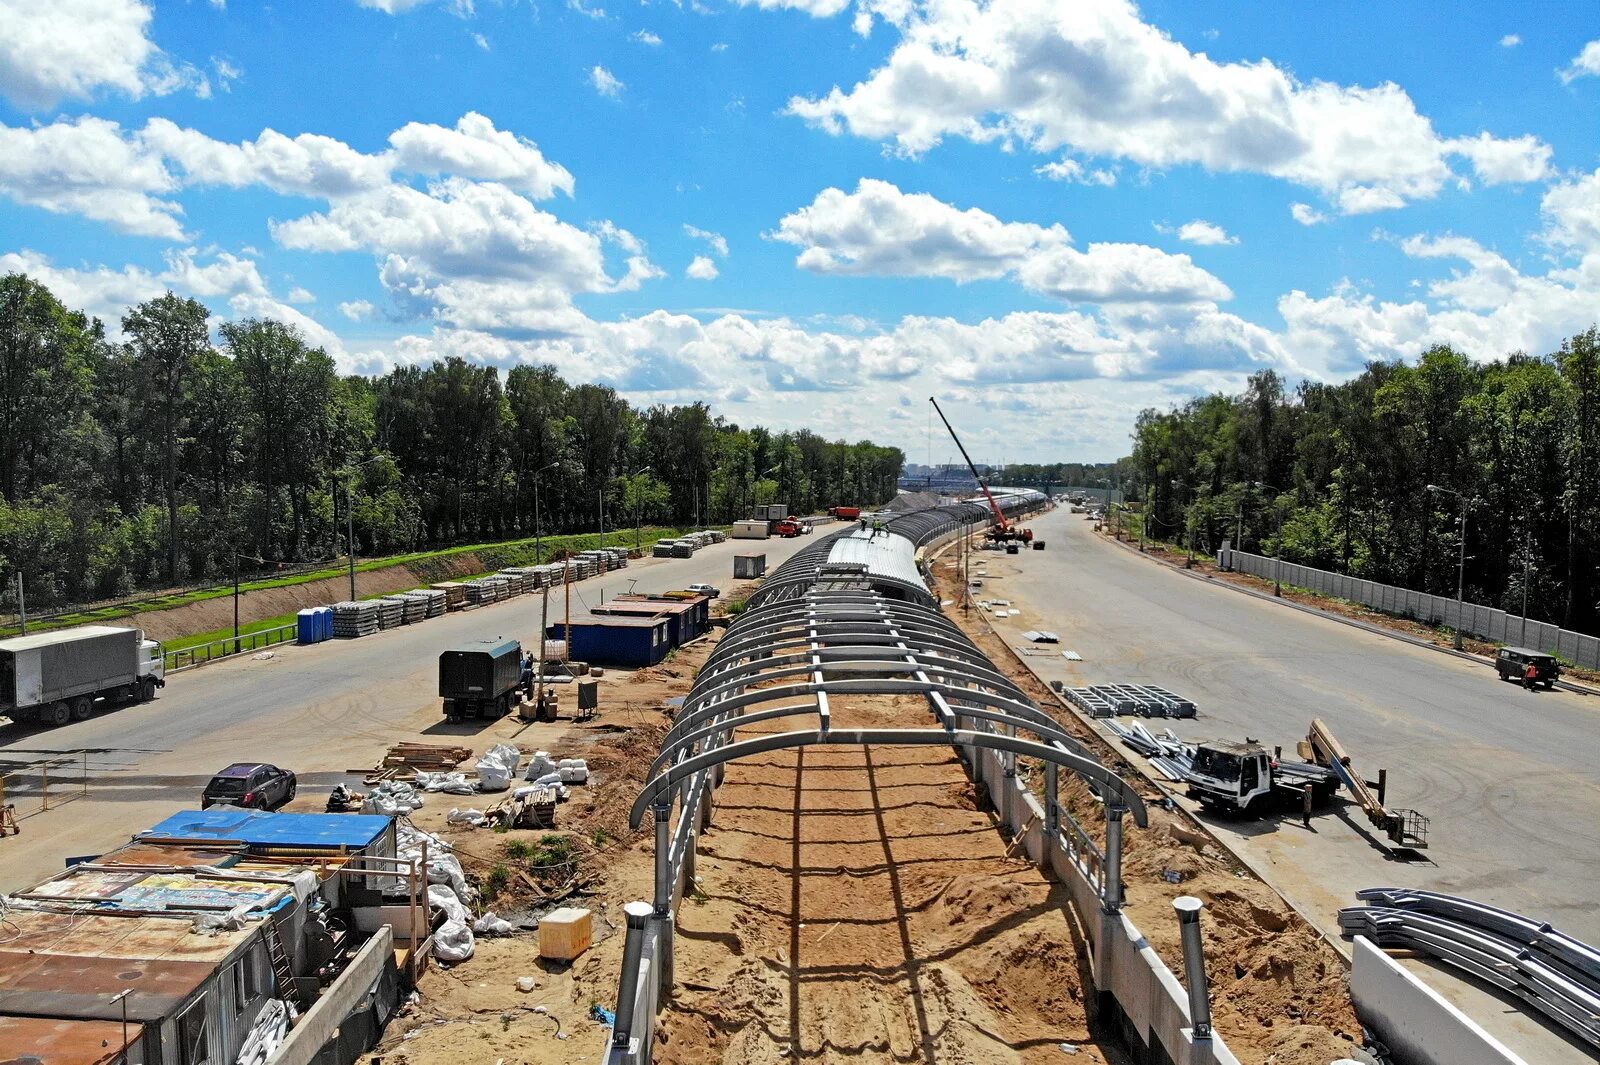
column 1377, row 630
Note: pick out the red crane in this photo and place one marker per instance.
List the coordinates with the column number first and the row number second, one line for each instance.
column 1003, row 529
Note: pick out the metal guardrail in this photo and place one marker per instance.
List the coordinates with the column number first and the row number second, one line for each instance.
column 227, row 647
column 1556, row 974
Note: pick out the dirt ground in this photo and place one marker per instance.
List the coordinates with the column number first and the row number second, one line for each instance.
column 855, row 904
column 1279, row 992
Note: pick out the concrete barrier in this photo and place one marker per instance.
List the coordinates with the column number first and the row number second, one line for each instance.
column 1414, row 1020
column 321, row 1022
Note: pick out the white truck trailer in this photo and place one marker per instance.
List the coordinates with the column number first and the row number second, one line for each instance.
column 57, row 677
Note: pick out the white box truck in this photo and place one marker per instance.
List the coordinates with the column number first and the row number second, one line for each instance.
column 56, row 677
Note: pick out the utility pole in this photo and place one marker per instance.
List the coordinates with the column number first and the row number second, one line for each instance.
column 1527, row 570
column 538, row 683
column 350, row 528
column 22, row 605
column 236, row 602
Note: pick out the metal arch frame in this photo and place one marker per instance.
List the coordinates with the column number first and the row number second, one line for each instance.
column 665, row 784
column 1048, row 731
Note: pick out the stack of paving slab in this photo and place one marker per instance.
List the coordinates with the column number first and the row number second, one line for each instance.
column 1143, row 700
column 412, row 608
column 433, row 602
column 529, row 576
column 455, row 594
column 516, row 583
column 480, row 592
column 391, row 613
column 355, row 619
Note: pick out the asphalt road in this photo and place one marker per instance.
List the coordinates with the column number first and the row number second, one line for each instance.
column 1510, row 778
column 317, row 710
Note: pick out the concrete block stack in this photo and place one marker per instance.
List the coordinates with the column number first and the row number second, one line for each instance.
column 391, row 613
column 355, row 619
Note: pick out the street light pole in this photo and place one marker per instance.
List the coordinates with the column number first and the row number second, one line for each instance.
column 1188, row 523
column 1527, row 573
column 638, row 505
column 538, row 534
column 1461, row 557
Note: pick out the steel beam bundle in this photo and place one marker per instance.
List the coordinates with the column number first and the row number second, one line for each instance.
column 1142, row 700
column 1548, row 969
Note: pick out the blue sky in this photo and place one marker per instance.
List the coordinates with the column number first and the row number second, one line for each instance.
column 819, row 212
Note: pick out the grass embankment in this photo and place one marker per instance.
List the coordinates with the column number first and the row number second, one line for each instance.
column 494, row 556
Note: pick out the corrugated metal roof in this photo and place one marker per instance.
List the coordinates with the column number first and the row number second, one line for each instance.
column 644, row 609
column 125, row 936
column 53, row 1041
column 55, row 985
column 881, row 555
column 175, row 856
column 143, row 891
column 45, row 639
column 263, row 828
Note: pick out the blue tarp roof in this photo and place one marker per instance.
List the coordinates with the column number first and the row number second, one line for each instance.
column 263, row 828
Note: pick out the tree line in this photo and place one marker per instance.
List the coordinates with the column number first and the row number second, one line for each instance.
column 157, row 459
column 1371, row 477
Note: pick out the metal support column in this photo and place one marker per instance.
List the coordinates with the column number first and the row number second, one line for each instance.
column 663, row 906
column 1112, row 901
column 1052, row 795
column 637, row 915
column 1194, row 964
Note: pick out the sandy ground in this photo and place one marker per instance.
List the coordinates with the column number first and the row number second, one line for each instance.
column 855, row 904
column 1279, row 991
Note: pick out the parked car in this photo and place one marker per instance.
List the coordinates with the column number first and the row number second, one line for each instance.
column 253, row 784
column 705, row 589
column 1512, row 664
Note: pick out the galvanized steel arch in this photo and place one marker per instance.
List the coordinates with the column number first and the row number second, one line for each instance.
column 663, row 785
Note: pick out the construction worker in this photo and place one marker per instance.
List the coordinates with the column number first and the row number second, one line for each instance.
column 1531, row 677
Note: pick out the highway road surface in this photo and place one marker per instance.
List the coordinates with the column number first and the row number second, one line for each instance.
column 1510, row 778
column 317, row 710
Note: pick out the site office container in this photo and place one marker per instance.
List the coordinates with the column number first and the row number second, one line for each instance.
column 617, row 641
column 749, row 567
column 750, row 530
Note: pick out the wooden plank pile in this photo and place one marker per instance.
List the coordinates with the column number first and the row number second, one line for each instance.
column 455, row 594
column 405, row 759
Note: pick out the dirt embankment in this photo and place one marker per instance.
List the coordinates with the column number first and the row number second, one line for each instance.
column 1279, row 992
column 210, row 615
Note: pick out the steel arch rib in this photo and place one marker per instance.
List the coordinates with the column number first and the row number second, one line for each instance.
column 1085, row 767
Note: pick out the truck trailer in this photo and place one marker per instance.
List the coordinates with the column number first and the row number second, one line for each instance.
column 56, row 677
column 480, row 679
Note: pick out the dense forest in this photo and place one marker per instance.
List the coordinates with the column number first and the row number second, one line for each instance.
column 1338, row 475
column 155, row 460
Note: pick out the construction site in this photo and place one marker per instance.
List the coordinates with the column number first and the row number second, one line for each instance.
column 873, row 812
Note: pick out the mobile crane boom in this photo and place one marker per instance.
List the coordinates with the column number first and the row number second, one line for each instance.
column 999, row 518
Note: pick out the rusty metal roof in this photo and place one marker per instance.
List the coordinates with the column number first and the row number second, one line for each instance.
column 169, row 856
column 117, row 936
column 58, row 985
column 644, row 607
column 56, row 1041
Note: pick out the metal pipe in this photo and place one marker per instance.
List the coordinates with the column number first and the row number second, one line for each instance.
column 1052, row 810
column 636, row 913
column 663, row 860
column 1112, row 898
column 1194, row 964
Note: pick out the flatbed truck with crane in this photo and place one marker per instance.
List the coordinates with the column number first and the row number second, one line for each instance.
column 1246, row 779
column 1004, row 530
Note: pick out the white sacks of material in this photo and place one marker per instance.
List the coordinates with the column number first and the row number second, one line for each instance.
column 392, row 797
column 540, row 765
column 497, row 766
column 490, row 925
column 454, row 783
column 452, row 943
column 574, row 771
column 442, row 897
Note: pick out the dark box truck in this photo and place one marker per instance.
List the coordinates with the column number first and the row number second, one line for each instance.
column 480, row 679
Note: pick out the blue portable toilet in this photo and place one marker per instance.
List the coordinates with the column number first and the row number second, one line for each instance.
column 324, row 622
column 307, row 629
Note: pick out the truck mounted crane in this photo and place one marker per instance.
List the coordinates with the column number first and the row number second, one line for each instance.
column 1004, row 529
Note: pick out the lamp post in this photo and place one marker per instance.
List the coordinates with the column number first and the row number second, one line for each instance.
column 1277, row 551
column 236, row 557
column 758, row 478
column 349, row 474
column 1527, row 575
column 638, row 504
column 1188, row 523
column 538, row 534
column 1461, row 560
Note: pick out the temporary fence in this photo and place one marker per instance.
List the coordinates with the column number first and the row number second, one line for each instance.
column 1470, row 619
column 43, row 785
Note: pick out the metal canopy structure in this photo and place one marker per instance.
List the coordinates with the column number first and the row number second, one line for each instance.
column 819, row 631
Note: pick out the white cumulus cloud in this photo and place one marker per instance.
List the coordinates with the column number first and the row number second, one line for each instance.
column 645, row 37
column 1200, row 231
column 54, row 50
column 1094, row 77
column 1585, row 64
column 701, row 268
column 1498, row 162
column 877, row 229
column 605, row 83
column 1307, row 215
column 1510, row 40
column 1074, row 171
column 87, row 167
column 475, row 148
column 718, row 242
